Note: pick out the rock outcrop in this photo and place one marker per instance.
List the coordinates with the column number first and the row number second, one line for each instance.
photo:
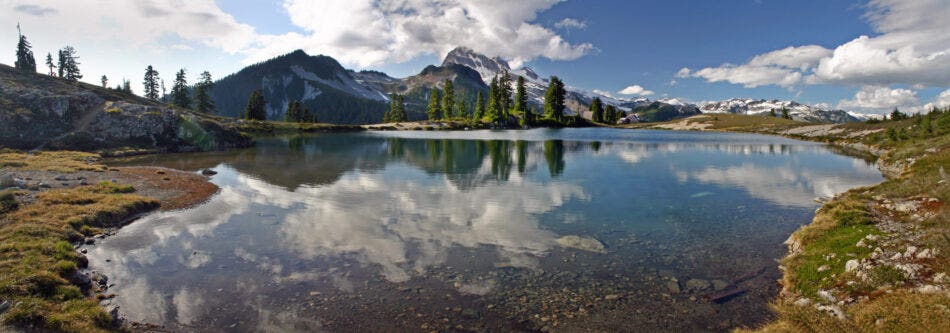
column 39, row 111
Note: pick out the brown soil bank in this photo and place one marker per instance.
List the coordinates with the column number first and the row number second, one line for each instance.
column 874, row 259
column 55, row 200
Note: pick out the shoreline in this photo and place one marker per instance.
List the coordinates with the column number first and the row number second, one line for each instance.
column 175, row 189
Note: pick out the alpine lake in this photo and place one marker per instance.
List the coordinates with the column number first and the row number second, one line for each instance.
column 476, row 231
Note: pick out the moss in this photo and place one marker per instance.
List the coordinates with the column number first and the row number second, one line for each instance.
column 36, row 254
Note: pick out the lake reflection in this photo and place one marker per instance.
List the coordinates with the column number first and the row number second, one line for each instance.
column 464, row 230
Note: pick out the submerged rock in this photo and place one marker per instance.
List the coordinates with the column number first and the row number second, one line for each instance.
column 582, row 243
column 697, row 284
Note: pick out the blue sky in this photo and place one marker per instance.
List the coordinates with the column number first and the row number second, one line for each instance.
column 808, row 50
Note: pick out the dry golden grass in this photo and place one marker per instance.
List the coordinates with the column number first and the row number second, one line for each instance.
column 55, row 161
column 37, row 256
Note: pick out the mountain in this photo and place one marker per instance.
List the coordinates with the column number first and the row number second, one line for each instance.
column 466, row 84
column 798, row 111
column 576, row 100
column 41, row 111
column 320, row 83
column 663, row 111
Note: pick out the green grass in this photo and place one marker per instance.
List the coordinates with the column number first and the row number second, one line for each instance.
column 37, row 256
column 55, row 161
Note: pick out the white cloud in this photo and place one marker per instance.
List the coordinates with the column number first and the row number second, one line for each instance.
column 912, row 48
column 783, row 68
column 881, row 100
column 635, row 90
column 683, row 73
column 570, row 23
column 368, row 32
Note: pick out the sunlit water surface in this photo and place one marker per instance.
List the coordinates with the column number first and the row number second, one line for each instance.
column 410, row 231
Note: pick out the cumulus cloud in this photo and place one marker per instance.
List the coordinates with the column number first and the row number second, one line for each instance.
column 369, row 32
column 912, row 48
column 881, row 100
column 783, row 68
column 570, row 23
column 635, row 90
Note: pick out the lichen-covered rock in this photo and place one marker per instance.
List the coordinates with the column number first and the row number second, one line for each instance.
column 582, row 243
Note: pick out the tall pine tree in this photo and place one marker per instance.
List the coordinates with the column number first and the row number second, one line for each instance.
column 479, row 106
column 521, row 100
column 448, row 99
column 203, row 102
column 69, row 64
column 432, row 111
column 180, row 96
column 50, row 64
column 105, row 81
column 150, row 83
column 554, row 99
column 255, row 106
column 504, row 95
column 24, row 55
column 494, row 110
column 597, row 110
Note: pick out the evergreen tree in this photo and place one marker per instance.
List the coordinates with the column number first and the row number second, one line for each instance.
column 255, row 106
column 504, row 94
column 462, row 109
column 772, row 112
column 597, row 110
column 295, row 113
column 479, row 106
column 105, row 81
column 521, row 99
column 180, row 96
column 434, row 105
column 50, row 64
column 785, row 113
column 164, row 91
column 397, row 109
column 69, row 64
column 554, row 99
column 448, row 99
column 61, row 63
column 898, row 115
column 203, row 102
column 610, row 114
column 494, row 110
column 127, row 86
column 150, row 83
column 24, row 54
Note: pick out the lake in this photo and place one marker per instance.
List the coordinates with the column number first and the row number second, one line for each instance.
column 525, row 230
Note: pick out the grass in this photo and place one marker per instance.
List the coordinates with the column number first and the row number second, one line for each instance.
column 55, row 161
column 37, row 256
column 258, row 127
column 832, row 236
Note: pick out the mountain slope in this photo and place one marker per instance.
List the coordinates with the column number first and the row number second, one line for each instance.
column 797, row 111
column 40, row 111
column 320, row 83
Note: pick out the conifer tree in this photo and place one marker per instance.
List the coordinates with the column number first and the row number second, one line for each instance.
column 397, row 110
column 203, row 102
column 554, row 99
column 294, row 113
column 493, row 112
column 772, row 112
column 610, row 114
column 479, row 106
column 462, row 111
column 504, row 94
column 180, row 96
column 69, row 64
column 521, row 99
column 61, row 63
column 105, row 81
column 448, row 99
column 127, row 86
column 432, row 111
column 50, row 64
column 24, row 55
column 597, row 110
column 255, row 106
column 785, row 113
column 150, row 83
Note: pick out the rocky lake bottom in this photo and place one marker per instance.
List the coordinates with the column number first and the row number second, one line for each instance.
column 550, row 230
